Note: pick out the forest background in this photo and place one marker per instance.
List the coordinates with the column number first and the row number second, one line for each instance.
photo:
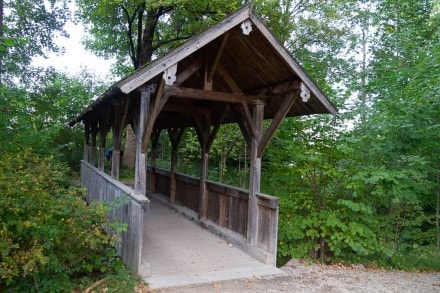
column 361, row 186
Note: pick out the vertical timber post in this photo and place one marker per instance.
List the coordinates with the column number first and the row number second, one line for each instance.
column 140, row 184
column 117, row 130
column 255, row 175
column 175, row 137
column 155, row 134
column 203, row 128
column 86, row 140
column 93, row 142
column 102, row 139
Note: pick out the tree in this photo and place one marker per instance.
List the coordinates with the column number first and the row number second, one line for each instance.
column 30, row 28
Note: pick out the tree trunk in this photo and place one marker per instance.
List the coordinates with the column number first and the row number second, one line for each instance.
column 145, row 53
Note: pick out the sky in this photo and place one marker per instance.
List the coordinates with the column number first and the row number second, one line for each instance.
column 76, row 57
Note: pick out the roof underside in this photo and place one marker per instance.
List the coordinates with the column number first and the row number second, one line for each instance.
column 255, row 66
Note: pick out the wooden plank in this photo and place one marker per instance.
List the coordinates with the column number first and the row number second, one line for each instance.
column 267, row 202
column 218, row 56
column 288, row 102
column 196, row 94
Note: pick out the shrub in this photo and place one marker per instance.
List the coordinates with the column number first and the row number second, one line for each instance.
column 46, row 227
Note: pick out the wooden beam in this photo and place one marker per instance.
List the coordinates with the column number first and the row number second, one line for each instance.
column 207, row 85
column 214, row 132
column 247, row 118
column 215, row 96
column 184, row 109
column 189, row 71
column 277, row 89
column 245, row 131
column 254, row 176
column 288, row 102
column 140, row 181
column 228, row 79
column 152, row 115
column 218, row 56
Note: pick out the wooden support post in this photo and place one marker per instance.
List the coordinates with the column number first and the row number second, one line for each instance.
column 175, row 138
column 102, row 140
column 255, row 175
column 155, row 134
column 202, row 130
column 140, row 184
column 117, row 136
column 93, row 143
column 86, row 140
column 103, row 130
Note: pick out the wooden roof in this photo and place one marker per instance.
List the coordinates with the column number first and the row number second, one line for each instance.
column 236, row 62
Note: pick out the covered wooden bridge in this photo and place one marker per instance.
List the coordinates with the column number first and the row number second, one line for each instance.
column 234, row 72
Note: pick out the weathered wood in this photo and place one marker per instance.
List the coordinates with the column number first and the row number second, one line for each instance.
column 94, row 133
column 177, row 55
column 255, row 176
column 189, row 71
column 175, row 136
column 151, row 119
column 117, row 138
column 86, row 141
column 288, row 102
column 293, row 63
column 140, row 182
column 191, row 93
column 101, row 159
column 217, row 57
column 101, row 187
column 228, row 79
column 207, row 84
column 154, row 145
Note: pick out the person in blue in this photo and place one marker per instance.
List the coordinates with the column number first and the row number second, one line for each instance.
column 108, row 156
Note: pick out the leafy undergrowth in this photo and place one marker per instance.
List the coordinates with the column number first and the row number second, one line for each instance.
column 51, row 239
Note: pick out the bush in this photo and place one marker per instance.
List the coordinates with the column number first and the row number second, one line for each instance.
column 46, row 227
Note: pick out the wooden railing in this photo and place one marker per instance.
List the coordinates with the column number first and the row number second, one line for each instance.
column 227, row 211
column 101, row 187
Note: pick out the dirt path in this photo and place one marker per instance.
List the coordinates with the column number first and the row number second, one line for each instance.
column 302, row 277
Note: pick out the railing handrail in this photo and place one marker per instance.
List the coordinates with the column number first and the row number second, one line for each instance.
column 124, row 188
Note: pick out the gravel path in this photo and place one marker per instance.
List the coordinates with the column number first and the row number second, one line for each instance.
column 304, row 277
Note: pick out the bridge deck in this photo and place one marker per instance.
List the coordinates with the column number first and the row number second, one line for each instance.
column 180, row 252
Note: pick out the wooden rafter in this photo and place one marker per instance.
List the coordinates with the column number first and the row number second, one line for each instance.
column 228, row 79
column 189, row 71
column 217, row 57
column 288, row 102
column 153, row 114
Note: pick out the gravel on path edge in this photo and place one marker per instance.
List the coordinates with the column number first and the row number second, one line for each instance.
column 310, row 277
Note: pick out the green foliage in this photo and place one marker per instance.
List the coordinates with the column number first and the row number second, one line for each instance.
column 29, row 30
column 47, row 228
